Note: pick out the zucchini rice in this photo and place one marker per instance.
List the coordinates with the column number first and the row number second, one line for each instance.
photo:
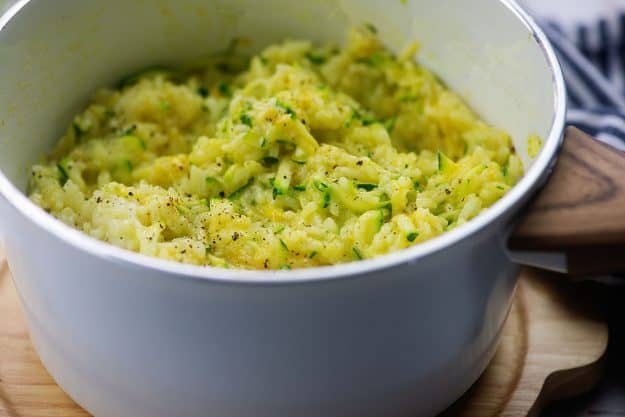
column 302, row 156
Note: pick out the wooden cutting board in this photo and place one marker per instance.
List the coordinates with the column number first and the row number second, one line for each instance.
column 551, row 348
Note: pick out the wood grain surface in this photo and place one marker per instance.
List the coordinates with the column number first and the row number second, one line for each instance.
column 26, row 389
column 581, row 210
column 551, row 348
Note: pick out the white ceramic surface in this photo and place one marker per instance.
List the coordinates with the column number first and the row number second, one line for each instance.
column 127, row 335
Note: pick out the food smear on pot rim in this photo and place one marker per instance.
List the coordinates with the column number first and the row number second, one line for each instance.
column 302, row 156
column 534, row 145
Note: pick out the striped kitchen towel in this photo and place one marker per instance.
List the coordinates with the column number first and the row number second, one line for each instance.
column 589, row 38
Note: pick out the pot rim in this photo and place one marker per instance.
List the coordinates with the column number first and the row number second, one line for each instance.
column 527, row 185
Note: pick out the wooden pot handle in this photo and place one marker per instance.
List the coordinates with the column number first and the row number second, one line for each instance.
column 581, row 210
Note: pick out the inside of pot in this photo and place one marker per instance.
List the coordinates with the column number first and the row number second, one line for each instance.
column 54, row 55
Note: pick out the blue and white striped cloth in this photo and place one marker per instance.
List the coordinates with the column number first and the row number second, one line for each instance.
column 589, row 38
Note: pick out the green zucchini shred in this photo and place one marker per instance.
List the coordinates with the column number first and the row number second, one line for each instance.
column 315, row 57
column 246, row 120
column 367, row 187
column 64, row 177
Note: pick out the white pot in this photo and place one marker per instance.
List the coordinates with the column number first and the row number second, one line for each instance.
column 126, row 335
